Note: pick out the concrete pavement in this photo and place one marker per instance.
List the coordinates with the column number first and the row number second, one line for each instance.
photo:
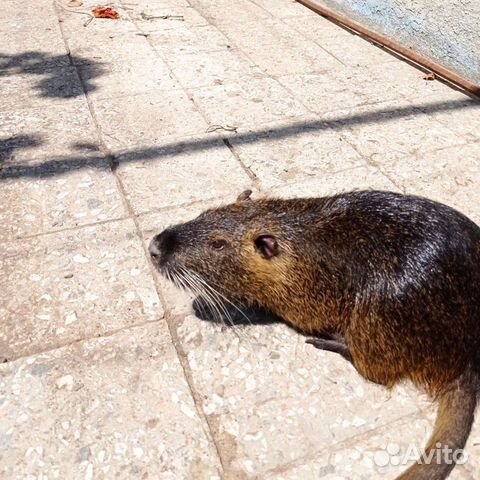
column 111, row 130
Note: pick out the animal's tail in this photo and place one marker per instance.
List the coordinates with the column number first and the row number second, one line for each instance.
column 452, row 427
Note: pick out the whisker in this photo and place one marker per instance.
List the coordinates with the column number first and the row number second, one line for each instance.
column 196, row 288
column 220, row 300
column 228, row 301
column 213, row 301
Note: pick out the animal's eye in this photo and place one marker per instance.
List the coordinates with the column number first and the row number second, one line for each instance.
column 218, row 244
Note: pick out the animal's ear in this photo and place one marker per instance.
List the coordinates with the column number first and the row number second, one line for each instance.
column 267, row 246
column 244, row 196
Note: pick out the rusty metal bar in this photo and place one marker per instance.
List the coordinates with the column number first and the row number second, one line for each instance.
column 383, row 41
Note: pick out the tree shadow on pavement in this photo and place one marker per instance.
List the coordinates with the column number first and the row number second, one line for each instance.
column 8, row 145
column 55, row 79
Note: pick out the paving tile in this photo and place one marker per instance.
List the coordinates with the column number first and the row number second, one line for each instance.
column 103, row 41
column 251, row 102
column 104, row 408
column 182, row 171
column 285, row 9
column 392, row 130
column 347, row 47
column 24, row 39
column 226, row 11
column 294, row 151
column 135, row 76
column 205, row 69
column 158, row 18
column 147, row 118
column 38, row 87
column 459, row 113
column 384, row 454
column 29, row 135
column 349, row 87
column 163, row 3
column 277, row 49
column 361, row 178
column 40, row 199
column 316, row 27
column 188, row 39
column 271, row 399
column 450, row 175
column 72, row 285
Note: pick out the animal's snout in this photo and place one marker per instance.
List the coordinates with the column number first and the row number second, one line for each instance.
column 162, row 246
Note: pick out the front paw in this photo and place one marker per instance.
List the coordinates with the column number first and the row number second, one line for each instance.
column 331, row 343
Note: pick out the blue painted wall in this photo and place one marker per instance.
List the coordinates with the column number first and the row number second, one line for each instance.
column 447, row 31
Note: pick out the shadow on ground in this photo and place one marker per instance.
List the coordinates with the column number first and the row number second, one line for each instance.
column 232, row 315
column 60, row 165
column 54, row 81
column 16, row 142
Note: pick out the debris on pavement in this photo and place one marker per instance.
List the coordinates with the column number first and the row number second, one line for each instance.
column 226, row 128
column 74, row 3
column 146, row 16
column 105, row 12
column 429, row 76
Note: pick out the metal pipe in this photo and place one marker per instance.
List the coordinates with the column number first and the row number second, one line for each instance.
column 383, row 41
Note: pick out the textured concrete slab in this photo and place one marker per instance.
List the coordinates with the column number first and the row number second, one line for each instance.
column 50, row 199
column 360, row 178
column 461, row 115
column 38, row 87
column 102, row 40
column 299, row 150
column 161, row 176
column 147, row 118
column 135, row 76
column 75, row 284
column 20, row 47
column 272, row 400
column 392, row 130
column 158, row 17
column 385, row 453
column 108, row 407
column 188, row 39
column 279, row 50
column 228, row 12
column 450, row 175
column 30, row 135
column 285, row 9
column 206, row 69
column 150, row 119
column 251, row 102
column 347, row 47
column 346, row 87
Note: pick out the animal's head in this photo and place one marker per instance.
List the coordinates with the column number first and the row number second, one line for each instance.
column 242, row 251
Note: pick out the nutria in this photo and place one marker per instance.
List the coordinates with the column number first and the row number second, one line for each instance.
column 389, row 281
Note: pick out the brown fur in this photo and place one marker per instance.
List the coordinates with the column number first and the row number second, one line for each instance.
column 396, row 278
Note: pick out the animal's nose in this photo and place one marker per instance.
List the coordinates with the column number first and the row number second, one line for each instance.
column 162, row 245
column 153, row 249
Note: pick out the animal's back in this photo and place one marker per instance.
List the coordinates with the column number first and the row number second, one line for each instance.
column 411, row 270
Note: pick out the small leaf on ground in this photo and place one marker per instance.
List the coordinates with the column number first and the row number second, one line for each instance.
column 429, row 76
column 74, row 3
